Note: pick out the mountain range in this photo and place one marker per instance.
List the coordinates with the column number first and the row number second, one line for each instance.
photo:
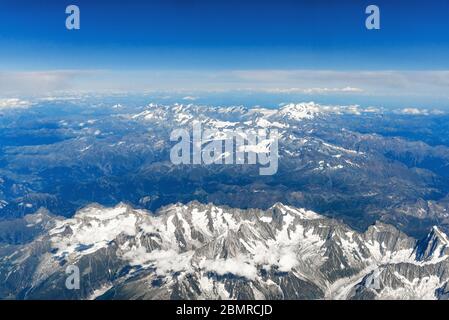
column 358, row 208
column 203, row 251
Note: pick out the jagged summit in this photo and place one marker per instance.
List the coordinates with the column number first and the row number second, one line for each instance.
column 434, row 247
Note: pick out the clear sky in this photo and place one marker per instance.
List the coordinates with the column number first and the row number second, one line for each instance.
column 307, row 48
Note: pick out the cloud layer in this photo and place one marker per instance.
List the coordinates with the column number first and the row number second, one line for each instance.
column 425, row 83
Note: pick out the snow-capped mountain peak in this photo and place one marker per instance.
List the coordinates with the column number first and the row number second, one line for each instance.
column 300, row 111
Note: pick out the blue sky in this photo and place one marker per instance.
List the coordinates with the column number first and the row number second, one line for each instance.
column 298, row 49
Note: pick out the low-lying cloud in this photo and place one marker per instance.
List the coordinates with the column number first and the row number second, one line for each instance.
column 14, row 103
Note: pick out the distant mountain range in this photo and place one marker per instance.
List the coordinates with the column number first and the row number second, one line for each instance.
column 356, row 164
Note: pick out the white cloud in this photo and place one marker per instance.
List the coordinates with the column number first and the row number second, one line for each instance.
column 413, row 111
column 316, row 90
column 419, row 112
column 378, row 82
column 190, row 98
column 45, row 82
column 14, row 103
column 236, row 265
column 165, row 261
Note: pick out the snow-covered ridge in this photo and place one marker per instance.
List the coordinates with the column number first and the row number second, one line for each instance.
column 93, row 227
